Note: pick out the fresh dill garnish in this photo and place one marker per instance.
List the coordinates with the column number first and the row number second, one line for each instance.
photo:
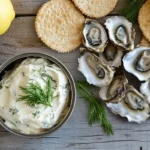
column 35, row 113
column 35, row 94
column 13, row 111
column 53, row 80
column 41, row 70
column 132, row 9
column 96, row 109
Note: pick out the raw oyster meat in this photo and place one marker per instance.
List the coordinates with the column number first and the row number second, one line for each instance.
column 95, row 37
column 145, row 90
column 137, row 62
column 115, row 91
column 121, row 32
column 112, row 55
column 134, row 106
column 95, row 71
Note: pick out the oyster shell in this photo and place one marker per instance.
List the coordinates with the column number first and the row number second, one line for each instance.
column 145, row 90
column 95, row 71
column 112, row 55
column 121, row 32
column 95, row 37
column 134, row 106
column 137, row 62
column 115, row 91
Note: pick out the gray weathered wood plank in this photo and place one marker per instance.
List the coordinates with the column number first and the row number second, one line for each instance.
column 75, row 134
column 30, row 7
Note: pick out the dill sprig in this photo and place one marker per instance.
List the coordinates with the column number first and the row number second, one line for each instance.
column 132, row 9
column 35, row 94
column 96, row 109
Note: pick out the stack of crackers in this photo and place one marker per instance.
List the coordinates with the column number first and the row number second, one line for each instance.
column 144, row 23
column 59, row 23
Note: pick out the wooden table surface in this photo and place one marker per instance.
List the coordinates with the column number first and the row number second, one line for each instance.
column 76, row 134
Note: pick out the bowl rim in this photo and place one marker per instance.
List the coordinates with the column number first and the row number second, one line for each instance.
column 72, row 90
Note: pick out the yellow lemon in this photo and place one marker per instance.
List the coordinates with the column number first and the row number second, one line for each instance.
column 7, row 14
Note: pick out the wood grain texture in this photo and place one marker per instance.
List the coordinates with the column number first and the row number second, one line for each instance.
column 30, row 7
column 27, row 7
column 76, row 134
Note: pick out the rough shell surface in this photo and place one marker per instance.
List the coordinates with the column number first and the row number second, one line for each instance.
column 145, row 90
column 89, row 25
column 112, row 55
column 126, row 33
column 129, row 63
column 115, row 91
column 91, row 67
column 132, row 115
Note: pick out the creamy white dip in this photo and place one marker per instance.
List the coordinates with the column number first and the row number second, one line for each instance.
column 22, row 117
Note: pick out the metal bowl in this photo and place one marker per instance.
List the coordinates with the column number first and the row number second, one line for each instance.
column 10, row 64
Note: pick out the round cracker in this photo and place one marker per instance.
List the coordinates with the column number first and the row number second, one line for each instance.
column 145, row 42
column 95, row 8
column 144, row 19
column 59, row 25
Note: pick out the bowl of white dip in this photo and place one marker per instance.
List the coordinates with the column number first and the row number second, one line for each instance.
column 37, row 94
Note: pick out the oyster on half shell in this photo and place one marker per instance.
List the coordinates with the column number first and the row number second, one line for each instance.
column 145, row 90
column 121, row 32
column 95, row 71
column 94, row 36
column 134, row 106
column 112, row 55
column 137, row 62
column 115, row 91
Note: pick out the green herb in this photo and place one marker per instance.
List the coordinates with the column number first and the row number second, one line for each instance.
column 35, row 94
column 132, row 9
column 42, row 70
column 36, row 113
column 96, row 109
column 13, row 111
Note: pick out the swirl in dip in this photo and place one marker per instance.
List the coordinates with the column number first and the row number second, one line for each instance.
column 24, row 116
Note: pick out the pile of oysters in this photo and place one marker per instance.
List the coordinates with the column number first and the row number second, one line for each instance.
column 107, row 48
